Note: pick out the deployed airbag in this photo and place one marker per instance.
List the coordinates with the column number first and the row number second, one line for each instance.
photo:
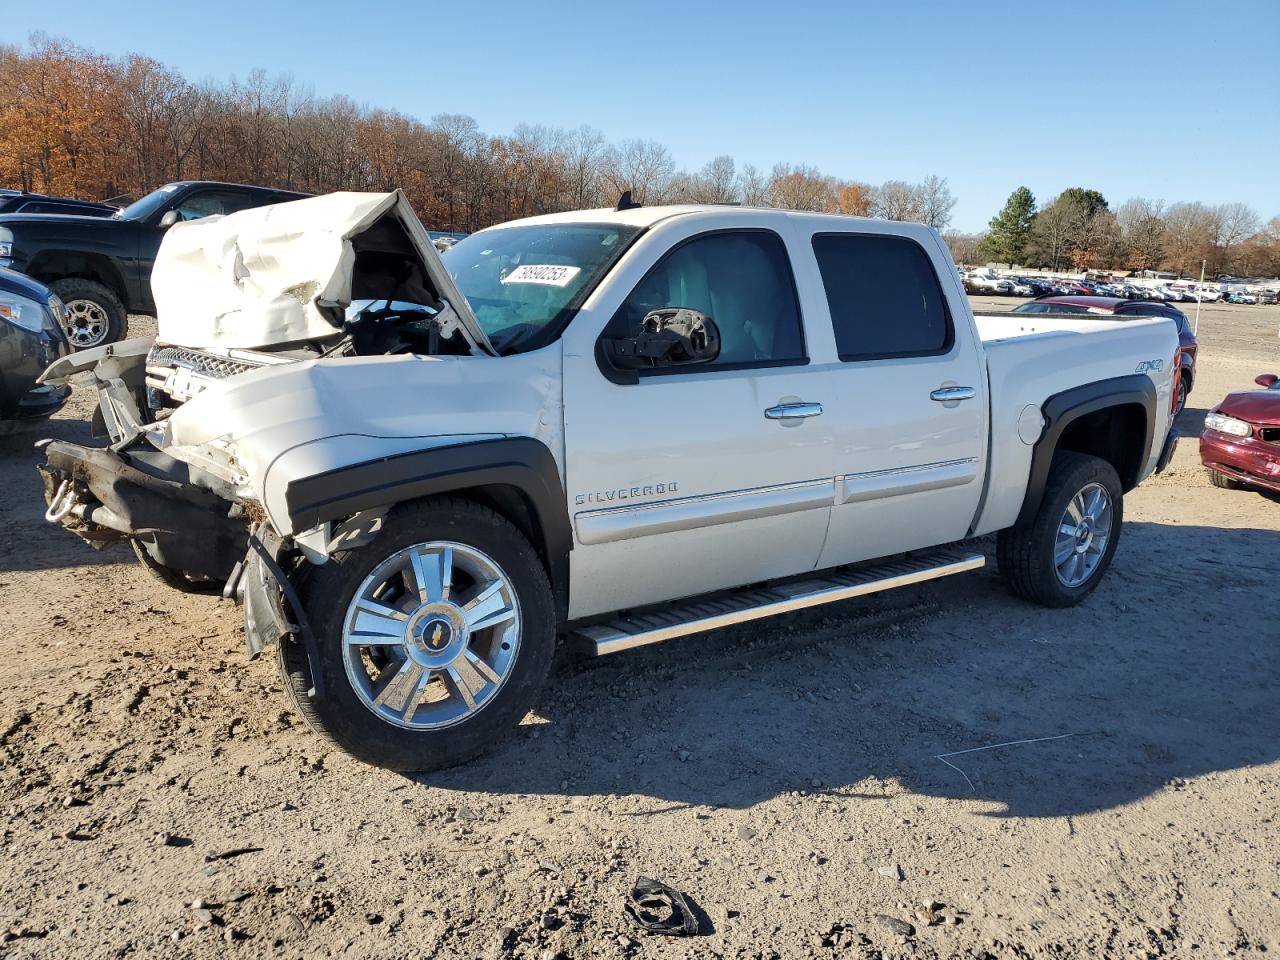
column 284, row 273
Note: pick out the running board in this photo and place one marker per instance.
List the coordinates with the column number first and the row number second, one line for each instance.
column 726, row 610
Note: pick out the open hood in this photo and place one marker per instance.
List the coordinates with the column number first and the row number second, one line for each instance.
column 285, row 273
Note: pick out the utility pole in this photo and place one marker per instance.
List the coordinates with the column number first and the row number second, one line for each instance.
column 1195, row 330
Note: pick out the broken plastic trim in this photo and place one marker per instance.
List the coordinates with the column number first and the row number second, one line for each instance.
column 656, row 908
column 268, row 561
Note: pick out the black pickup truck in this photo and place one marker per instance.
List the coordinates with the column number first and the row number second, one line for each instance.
column 101, row 266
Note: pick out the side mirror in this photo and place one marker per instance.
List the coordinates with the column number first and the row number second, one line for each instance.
column 169, row 219
column 1267, row 380
column 671, row 337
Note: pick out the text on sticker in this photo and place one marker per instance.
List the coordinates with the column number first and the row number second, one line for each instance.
column 551, row 275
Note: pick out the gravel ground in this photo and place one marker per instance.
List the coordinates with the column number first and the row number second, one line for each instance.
column 801, row 779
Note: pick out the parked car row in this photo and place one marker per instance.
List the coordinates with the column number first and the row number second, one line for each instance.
column 1012, row 285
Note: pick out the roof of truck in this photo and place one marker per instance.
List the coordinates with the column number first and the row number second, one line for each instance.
column 648, row 216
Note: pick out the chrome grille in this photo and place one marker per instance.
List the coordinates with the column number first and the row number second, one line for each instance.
column 207, row 365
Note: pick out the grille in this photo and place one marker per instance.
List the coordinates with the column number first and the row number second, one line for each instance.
column 1269, row 434
column 216, row 368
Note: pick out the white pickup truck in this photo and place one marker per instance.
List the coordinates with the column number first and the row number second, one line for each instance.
column 620, row 426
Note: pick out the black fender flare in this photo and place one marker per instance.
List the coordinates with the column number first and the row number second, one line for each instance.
column 1061, row 409
column 519, row 462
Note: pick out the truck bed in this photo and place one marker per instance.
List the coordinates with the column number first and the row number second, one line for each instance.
column 1034, row 356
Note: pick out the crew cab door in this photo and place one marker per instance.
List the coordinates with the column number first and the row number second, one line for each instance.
column 909, row 413
column 683, row 480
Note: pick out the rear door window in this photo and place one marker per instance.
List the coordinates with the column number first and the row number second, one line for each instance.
column 884, row 297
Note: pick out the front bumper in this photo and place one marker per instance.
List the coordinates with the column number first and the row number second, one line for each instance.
column 39, row 403
column 1246, row 459
column 141, row 494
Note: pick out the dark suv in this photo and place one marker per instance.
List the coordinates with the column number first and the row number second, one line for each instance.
column 101, row 266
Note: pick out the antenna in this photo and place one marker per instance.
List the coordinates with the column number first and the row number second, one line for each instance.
column 626, row 203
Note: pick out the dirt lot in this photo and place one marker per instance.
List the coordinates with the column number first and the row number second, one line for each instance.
column 796, row 778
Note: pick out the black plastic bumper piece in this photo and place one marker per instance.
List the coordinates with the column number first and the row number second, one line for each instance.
column 150, row 498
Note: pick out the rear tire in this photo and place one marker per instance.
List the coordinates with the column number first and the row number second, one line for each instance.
column 93, row 314
column 1039, row 560
column 1184, row 390
column 438, row 716
column 1223, row 481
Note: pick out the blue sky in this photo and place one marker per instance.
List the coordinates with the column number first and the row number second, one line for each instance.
column 1170, row 100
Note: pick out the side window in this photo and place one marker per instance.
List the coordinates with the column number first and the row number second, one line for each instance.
column 204, row 203
column 742, row 280
column 884, row 296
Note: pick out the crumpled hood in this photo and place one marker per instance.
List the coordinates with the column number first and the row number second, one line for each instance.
column 285, row 273
column 1255, row 406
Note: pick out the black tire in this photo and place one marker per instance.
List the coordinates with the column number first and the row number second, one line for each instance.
column 326, row 593
column 1025, row 551
column 1223, row 481
column 112, row 313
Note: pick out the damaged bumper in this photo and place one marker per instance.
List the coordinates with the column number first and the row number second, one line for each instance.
column 141, row 494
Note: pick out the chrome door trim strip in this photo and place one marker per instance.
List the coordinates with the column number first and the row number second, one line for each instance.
column 880, row 484
column 689, row 513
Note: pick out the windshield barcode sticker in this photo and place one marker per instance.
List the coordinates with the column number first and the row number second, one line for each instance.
column 550, row 275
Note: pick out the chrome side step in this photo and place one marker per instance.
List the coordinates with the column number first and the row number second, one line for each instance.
column 700, row 614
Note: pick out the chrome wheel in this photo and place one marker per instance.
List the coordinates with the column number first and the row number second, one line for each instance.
column 85, row 323
column 431, row 635
column 1083, row 533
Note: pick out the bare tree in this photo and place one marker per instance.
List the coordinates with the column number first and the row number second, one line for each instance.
column 1190, row 232
column 935, row 202
column 896, row 200
column 1236, row 222
column 644, row 167
column 752, row 188
column 801, row 188
column 1142, row 229
column 714, row 183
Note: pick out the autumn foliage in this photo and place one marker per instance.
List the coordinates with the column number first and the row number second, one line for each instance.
column 77, row 123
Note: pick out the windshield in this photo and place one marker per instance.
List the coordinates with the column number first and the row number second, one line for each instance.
column 524, row 283
column 153, row 201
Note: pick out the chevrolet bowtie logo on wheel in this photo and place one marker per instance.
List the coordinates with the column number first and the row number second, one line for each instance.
column 437, row 637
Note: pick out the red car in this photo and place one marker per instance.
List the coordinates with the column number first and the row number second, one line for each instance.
column 1119, row 307
column 1240, row 445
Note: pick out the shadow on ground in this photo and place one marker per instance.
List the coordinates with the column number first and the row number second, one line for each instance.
column 1168, row 671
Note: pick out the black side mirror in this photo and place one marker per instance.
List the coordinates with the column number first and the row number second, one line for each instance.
column 671, row 337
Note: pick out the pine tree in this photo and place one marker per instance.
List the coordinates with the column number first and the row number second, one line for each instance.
column 1011, row 228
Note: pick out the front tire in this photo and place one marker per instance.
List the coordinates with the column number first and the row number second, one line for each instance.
column 434, row 640
column 92, row 314
column 1060, row 557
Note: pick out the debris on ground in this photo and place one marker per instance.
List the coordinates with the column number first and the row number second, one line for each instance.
column 656, row 908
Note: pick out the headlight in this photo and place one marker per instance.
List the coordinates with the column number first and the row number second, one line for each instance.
column 1225, row 424
column 22, row 312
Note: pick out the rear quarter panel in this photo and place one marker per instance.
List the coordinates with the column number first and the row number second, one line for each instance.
column 1030, row 360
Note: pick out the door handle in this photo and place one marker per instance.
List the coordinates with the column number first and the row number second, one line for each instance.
column 793, row 411
column 944, row 394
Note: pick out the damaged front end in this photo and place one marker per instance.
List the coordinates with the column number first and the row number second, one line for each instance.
column 190, row 519
column 342, row 276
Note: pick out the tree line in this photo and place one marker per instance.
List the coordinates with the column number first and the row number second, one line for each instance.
column 73, row 121
column 1079, row 230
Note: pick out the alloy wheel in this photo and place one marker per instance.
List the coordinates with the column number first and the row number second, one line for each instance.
column 431, row 635
column 85, row 322
column 1083, row 533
